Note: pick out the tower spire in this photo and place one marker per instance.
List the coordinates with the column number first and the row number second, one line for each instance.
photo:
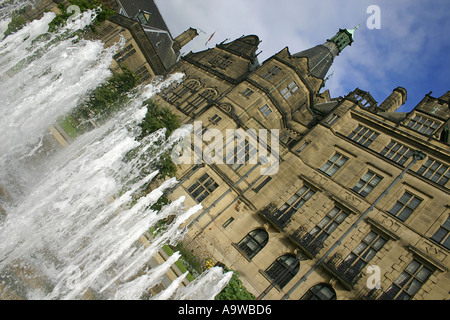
column 321, row 57
column 343, row 38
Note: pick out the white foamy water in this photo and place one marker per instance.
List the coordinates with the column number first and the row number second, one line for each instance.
column 74, row 231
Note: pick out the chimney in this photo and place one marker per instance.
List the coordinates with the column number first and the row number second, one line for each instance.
column 184, row 38
column 394, row 101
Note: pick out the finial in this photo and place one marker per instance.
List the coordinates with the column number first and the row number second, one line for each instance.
column 352, row 31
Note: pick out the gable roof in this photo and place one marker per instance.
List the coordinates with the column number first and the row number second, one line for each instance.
column 131, row 9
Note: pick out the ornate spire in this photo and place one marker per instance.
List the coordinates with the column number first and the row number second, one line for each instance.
column 321, row 57
column 343, row 38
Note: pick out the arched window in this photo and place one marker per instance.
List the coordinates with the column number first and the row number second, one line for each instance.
column 253, row 242
column 282, row 270
column 321, row 291
column 201, row 100
column 177, row 94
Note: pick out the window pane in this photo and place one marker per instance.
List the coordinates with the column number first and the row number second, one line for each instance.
column 332, row 171
column 326, row 166
column 439, row 235
column 331, row 227
column 333, row 212
column 423, row 274
column 402, row 279
column 325, row 221
column 413, row 267
column 193, row 187
column 341, row 161
column 366, row 191
column 413, row 287
column 446, row 243
column 397, row 207
column 309, row 195
column 375, row 180
column 447, row 224
column 406, row 212
column 293, row 199
column 405, row 198
column 341, row 217
column 360, row 248
column 414, row 203
column 370, row 237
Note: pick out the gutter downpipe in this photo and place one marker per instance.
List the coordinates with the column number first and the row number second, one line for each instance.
column 418, row 155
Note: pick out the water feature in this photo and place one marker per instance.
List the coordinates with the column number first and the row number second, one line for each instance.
column 72, row 221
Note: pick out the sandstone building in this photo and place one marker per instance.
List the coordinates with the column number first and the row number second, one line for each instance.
column 361, row 193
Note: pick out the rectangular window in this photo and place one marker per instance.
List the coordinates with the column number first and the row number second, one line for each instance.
column 215, row 119
column 442, row 235
column 124, row 54
column 242, row 154
column 423, row 125
column 303, row 146
column 363, row 136
column 367, row 183
column 289, row 90
column 285, row 212
column 265, row 110
column 202, row 188
column 405, row 206
column 228, row 222
column 272, row 73
column 326, row 226
column 408, row 283
column 332, row 119
column 435, row 171
column 247, row 93
column 221, row 61
column 334, row 164
column 362, row 254
column 397, row 152
column 262, row 184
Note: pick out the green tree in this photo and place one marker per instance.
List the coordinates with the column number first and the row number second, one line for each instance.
column 158, row 118
column 104, row 14
column 235, row 290
column 105, row 99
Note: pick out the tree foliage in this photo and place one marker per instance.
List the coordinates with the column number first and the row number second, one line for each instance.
column 107, row 98
column 234, row 290
column 157, row 118
column 105, row 12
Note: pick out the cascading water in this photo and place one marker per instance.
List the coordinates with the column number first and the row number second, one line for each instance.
column 72, row 231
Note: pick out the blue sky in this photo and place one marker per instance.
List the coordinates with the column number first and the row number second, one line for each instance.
column 409, row 50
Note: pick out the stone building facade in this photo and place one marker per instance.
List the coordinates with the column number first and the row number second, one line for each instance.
column 359, row 205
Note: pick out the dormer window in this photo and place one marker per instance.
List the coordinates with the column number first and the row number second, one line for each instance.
column 143, row 17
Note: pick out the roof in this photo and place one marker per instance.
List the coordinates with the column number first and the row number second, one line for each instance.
column 147, row 14
column 131, row 8
column 163, row 44
column 320, row 59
